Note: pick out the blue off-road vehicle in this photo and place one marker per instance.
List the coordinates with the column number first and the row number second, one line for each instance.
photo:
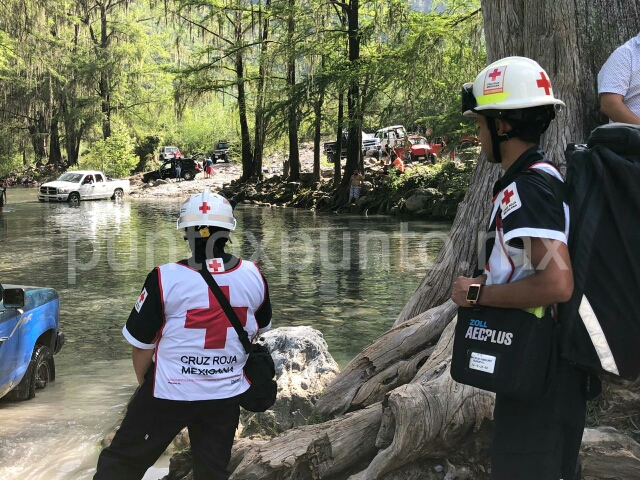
column 29, row 337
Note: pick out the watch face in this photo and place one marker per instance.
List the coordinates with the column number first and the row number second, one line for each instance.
column 473, row 292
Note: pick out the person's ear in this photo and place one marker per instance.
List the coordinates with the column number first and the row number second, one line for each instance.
column 502, row 126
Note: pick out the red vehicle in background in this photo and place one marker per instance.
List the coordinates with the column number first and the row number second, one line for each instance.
column 419, row 147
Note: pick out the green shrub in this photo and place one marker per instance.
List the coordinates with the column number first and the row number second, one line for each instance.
column 114, row 156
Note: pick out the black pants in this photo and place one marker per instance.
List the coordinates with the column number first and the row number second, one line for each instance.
column 540, row 440
column 152, row 423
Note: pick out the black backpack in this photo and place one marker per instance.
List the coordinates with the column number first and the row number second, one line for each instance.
column 601, row 321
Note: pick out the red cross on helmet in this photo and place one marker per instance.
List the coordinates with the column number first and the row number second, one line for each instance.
column 512, row 83
column 207, row 209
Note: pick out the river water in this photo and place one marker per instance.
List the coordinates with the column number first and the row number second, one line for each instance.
column 348, row 276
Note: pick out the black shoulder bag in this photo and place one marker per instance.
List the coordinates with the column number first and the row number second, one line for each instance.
column 259, row 369
column 505, row 350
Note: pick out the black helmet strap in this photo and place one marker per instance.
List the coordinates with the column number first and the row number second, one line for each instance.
column 496, row 139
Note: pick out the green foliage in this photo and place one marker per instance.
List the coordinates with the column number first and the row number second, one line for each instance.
column 449, row 178
column 169, row 70
column 115, row 156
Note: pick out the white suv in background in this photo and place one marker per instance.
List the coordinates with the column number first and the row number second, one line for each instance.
column 167, row 153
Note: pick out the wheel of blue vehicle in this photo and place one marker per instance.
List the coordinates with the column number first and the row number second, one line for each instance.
column 43, row 360
column 38, row 375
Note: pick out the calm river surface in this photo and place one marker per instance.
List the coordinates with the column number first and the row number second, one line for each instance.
column 347, row 276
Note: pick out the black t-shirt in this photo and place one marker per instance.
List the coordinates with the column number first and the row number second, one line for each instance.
column 525, row 206
column 2, row 192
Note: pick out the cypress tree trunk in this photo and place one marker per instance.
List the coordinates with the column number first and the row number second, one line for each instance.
column 353, row 100
column 55, row 155
column 317, row 110
column 260, row 126
column 294, row 151
column 248, row 170
column 337, row 167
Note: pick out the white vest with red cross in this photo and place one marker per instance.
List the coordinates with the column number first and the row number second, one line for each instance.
column 198, row 354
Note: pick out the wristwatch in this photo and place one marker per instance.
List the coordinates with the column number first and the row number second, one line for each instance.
column 473, row 293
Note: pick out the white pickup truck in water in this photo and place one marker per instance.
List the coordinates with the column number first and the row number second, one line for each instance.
column 82, row 185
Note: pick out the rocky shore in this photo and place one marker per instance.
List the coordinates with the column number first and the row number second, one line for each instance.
column 423, row 191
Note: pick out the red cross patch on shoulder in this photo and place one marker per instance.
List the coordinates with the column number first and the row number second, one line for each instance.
column 510, row 201
column 141, row 299
column 494, row 80
column 215, row 266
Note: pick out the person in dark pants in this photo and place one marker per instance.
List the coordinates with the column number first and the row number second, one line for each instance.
column 3, row 195
column 186, row 355
column 526, row 265
column 178, row 170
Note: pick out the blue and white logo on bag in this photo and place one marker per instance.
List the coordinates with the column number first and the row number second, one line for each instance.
column 478, row 331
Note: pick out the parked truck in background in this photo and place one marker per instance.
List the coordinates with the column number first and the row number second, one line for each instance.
column 370, row 145
column 77, row 185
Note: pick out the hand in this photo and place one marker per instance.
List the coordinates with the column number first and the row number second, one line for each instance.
column 461, row 287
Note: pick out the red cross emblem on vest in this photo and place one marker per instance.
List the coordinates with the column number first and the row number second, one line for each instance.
column 204, row 208
column 506, row 197
column 543, row 82
column 214, row 321
column 142, row 295
column 495, row 74
column 215, row 266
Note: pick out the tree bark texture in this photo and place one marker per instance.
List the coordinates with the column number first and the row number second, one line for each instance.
column 315, row 451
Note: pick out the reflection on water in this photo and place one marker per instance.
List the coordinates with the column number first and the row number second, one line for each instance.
column 348, row 276
column 56, row 435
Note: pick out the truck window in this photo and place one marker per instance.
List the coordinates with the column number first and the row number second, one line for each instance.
column 99, row 178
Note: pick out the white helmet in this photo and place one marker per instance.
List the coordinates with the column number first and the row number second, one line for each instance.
column 207, row 209
column 511, row 83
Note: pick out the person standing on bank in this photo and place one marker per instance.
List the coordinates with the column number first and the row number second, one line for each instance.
column 528, row 264
column 3, row 195
column 619, row 84
column 178, row 170
column 187, row 356
column 355, row 184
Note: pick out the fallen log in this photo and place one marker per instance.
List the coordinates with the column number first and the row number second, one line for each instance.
column 315, row 451
column 393, row 359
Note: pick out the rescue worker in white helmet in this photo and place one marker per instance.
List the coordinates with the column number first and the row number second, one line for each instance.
column 526, row 264
column 186, row 355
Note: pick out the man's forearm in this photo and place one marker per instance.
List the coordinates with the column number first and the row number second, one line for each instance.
column 531, row 292
column 141, row 362
column 619, row 112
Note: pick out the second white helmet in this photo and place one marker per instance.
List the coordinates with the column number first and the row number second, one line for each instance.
column 207, row 209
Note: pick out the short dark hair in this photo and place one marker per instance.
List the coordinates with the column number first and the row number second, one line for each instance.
column 527, row 124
